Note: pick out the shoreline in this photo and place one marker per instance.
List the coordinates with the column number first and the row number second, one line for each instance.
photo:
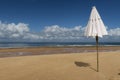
column 60, row 46
column 29, row 51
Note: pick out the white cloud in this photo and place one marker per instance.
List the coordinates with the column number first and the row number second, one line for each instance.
column 21, row 32
column 114, row 32
column 56, row 31
column 56, row 28
column 31, row 36
column 14, row 35
column 13, row 30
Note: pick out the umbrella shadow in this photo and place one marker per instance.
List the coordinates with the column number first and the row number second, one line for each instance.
column 83, row 64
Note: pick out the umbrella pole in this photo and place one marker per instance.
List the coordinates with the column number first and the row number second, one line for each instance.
column 97, row 54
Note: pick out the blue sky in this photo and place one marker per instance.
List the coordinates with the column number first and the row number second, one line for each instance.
column 67, row 13
column 35, row 15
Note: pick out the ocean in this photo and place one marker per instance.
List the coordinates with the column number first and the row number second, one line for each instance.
column 53, row 44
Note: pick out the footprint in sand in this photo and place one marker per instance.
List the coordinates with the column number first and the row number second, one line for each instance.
column 118, row 73
column 111, row 78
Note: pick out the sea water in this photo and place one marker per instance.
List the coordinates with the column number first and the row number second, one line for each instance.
column 53, row 44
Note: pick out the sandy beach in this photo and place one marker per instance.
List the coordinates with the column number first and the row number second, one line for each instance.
column 59, row 66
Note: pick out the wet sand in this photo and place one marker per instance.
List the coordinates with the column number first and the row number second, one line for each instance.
column 13, row 52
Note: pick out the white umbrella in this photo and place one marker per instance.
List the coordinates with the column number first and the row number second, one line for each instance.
column 95, row 28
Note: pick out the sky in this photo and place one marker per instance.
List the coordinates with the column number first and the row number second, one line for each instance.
column 32, row 18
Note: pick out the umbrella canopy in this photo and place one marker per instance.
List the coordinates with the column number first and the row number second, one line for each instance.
column 95, row 26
